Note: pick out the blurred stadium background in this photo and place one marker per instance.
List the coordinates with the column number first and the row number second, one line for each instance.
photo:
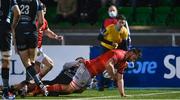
column 156, row 21
column 154, row 27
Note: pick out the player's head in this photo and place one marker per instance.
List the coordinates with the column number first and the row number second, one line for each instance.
column 121, row 20
column 133, row 54
column 112, row 11
column 79, row 59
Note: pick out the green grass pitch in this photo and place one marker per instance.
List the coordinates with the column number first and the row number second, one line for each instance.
column 91, row 94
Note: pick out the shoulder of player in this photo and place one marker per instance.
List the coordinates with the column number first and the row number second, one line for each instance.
column 124, row 29
column 119, row 51
column 110, row 26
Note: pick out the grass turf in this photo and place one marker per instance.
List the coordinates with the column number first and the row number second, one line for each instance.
column 113, row 94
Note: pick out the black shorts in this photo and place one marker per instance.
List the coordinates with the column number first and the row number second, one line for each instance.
column 5, row 37
column 26, row 40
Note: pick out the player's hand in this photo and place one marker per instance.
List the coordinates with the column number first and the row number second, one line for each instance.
column 59, row 37
column 115, row 45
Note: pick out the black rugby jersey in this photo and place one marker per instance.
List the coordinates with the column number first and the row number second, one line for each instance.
column 29, row 9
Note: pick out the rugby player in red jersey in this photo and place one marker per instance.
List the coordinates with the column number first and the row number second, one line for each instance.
column 42, row 58
column 114, row 61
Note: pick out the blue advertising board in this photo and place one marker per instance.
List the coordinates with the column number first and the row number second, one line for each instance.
column 158, row 67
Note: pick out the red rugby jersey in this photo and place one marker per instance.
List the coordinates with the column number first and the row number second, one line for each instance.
column 97, row 65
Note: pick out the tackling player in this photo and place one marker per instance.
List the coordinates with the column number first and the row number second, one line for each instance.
column 26, row 36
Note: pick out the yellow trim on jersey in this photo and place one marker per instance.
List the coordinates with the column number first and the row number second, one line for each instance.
column 112, row 35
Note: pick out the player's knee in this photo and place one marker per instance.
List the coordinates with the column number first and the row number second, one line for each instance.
column 5, row 63
column 6, row 56
column 73, row 87
column 50, row 63
column 70, row 89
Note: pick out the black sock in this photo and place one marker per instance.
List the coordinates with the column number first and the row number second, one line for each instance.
column 31, row 71
column 5, row 77
column 28, row 77
column 32, row 63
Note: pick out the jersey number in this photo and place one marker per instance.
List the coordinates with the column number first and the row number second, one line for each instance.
column 24, row 9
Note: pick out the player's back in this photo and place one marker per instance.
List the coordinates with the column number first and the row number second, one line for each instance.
column 29, row 9
column 97, row 65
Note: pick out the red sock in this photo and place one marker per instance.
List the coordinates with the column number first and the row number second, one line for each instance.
column 54, row 88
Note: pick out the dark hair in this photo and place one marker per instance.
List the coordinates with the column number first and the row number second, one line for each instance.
column 43, row 6
column 79, row 58
column 136, row 51
column 121, row 17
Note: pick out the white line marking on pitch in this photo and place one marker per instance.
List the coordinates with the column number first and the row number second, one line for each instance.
column 117, row 96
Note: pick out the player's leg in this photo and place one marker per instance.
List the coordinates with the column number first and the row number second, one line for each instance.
column 5, row 48
column 32, row 50
column 5, row 71
column 38, row 60
column 24, row 55
column 47, row 64
column 32, row 54
column 80, row 80
column 24, row 42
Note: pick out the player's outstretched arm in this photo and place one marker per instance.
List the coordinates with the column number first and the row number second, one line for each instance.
column 16, row 18
column 120, row 83
column 110, row 68
column 52, row 35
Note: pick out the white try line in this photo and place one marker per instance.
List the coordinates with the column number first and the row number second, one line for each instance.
column 118, row 96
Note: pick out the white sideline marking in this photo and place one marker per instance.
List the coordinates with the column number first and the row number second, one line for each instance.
column 116, row 96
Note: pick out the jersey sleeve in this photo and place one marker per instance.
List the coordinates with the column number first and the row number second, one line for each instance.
column 13, row 3
column 70, row 64
column 124, row 35
column 39, row 6
column 120, row 64
column 122, row 68
column 108, row 29
column 115, row 59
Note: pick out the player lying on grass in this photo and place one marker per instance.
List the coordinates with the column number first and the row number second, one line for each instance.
column 114, row 61
column 65, row 77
